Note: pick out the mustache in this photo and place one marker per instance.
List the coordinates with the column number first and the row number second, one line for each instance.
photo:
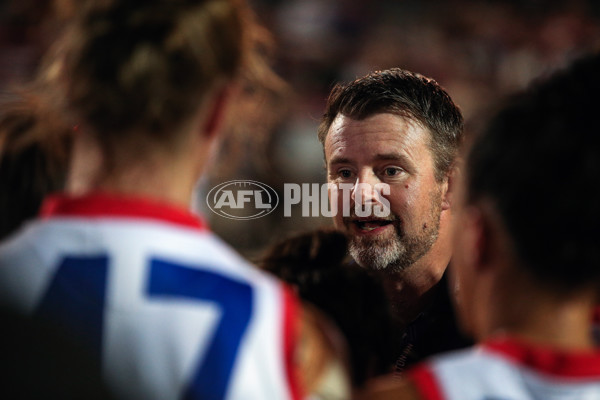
column 353, row 217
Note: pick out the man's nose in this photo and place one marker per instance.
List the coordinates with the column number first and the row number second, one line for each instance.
column 364, row 191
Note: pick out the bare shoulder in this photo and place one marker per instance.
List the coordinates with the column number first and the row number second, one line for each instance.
column 321, row 357
column 389, row 388
column 323, row 368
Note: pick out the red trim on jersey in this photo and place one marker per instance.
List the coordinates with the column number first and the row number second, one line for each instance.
column 567, row 364
column 290, row 340
column 426, row 382
column 97, row 205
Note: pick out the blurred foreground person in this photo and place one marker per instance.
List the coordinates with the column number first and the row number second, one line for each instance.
column 39, row 362
column 315, row 264
column 526, row 253
column 167, row 309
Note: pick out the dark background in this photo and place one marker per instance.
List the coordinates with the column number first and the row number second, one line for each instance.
column 478, row 50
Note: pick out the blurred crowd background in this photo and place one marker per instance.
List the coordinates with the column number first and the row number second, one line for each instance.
column 478, row 50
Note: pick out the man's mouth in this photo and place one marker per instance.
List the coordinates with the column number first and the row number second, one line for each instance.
column 366, row 225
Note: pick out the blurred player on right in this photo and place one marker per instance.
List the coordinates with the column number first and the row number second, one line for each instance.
column 527, row 258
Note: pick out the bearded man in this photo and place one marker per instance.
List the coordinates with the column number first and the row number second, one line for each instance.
column 391, row 139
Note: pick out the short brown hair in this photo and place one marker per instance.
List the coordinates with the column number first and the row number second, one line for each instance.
column 409, row 95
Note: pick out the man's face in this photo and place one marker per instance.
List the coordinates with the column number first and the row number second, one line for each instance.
column 390, row 149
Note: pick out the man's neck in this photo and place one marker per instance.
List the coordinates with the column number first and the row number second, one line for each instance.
column 412, row 290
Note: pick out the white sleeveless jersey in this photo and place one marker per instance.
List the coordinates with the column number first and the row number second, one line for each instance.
column 506, row 369
column 170, row 311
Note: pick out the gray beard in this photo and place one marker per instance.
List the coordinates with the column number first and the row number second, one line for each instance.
column 399, row 252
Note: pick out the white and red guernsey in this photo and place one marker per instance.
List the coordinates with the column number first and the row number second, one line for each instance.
column 508, row 369
column 169, row 310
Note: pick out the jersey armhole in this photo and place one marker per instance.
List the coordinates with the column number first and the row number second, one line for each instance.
column 291, row 315
column 425, row 382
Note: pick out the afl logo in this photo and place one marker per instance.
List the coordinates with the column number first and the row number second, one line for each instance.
column 242, row 199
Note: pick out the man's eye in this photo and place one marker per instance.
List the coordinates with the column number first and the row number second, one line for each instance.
column 345, row 173
column 392, row 171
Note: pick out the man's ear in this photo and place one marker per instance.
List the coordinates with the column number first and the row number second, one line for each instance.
column 217, row 110
column 478, row 229
column 449, row 186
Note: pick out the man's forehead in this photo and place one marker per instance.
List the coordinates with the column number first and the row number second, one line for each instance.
column 372, row 121
column 346, row 130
